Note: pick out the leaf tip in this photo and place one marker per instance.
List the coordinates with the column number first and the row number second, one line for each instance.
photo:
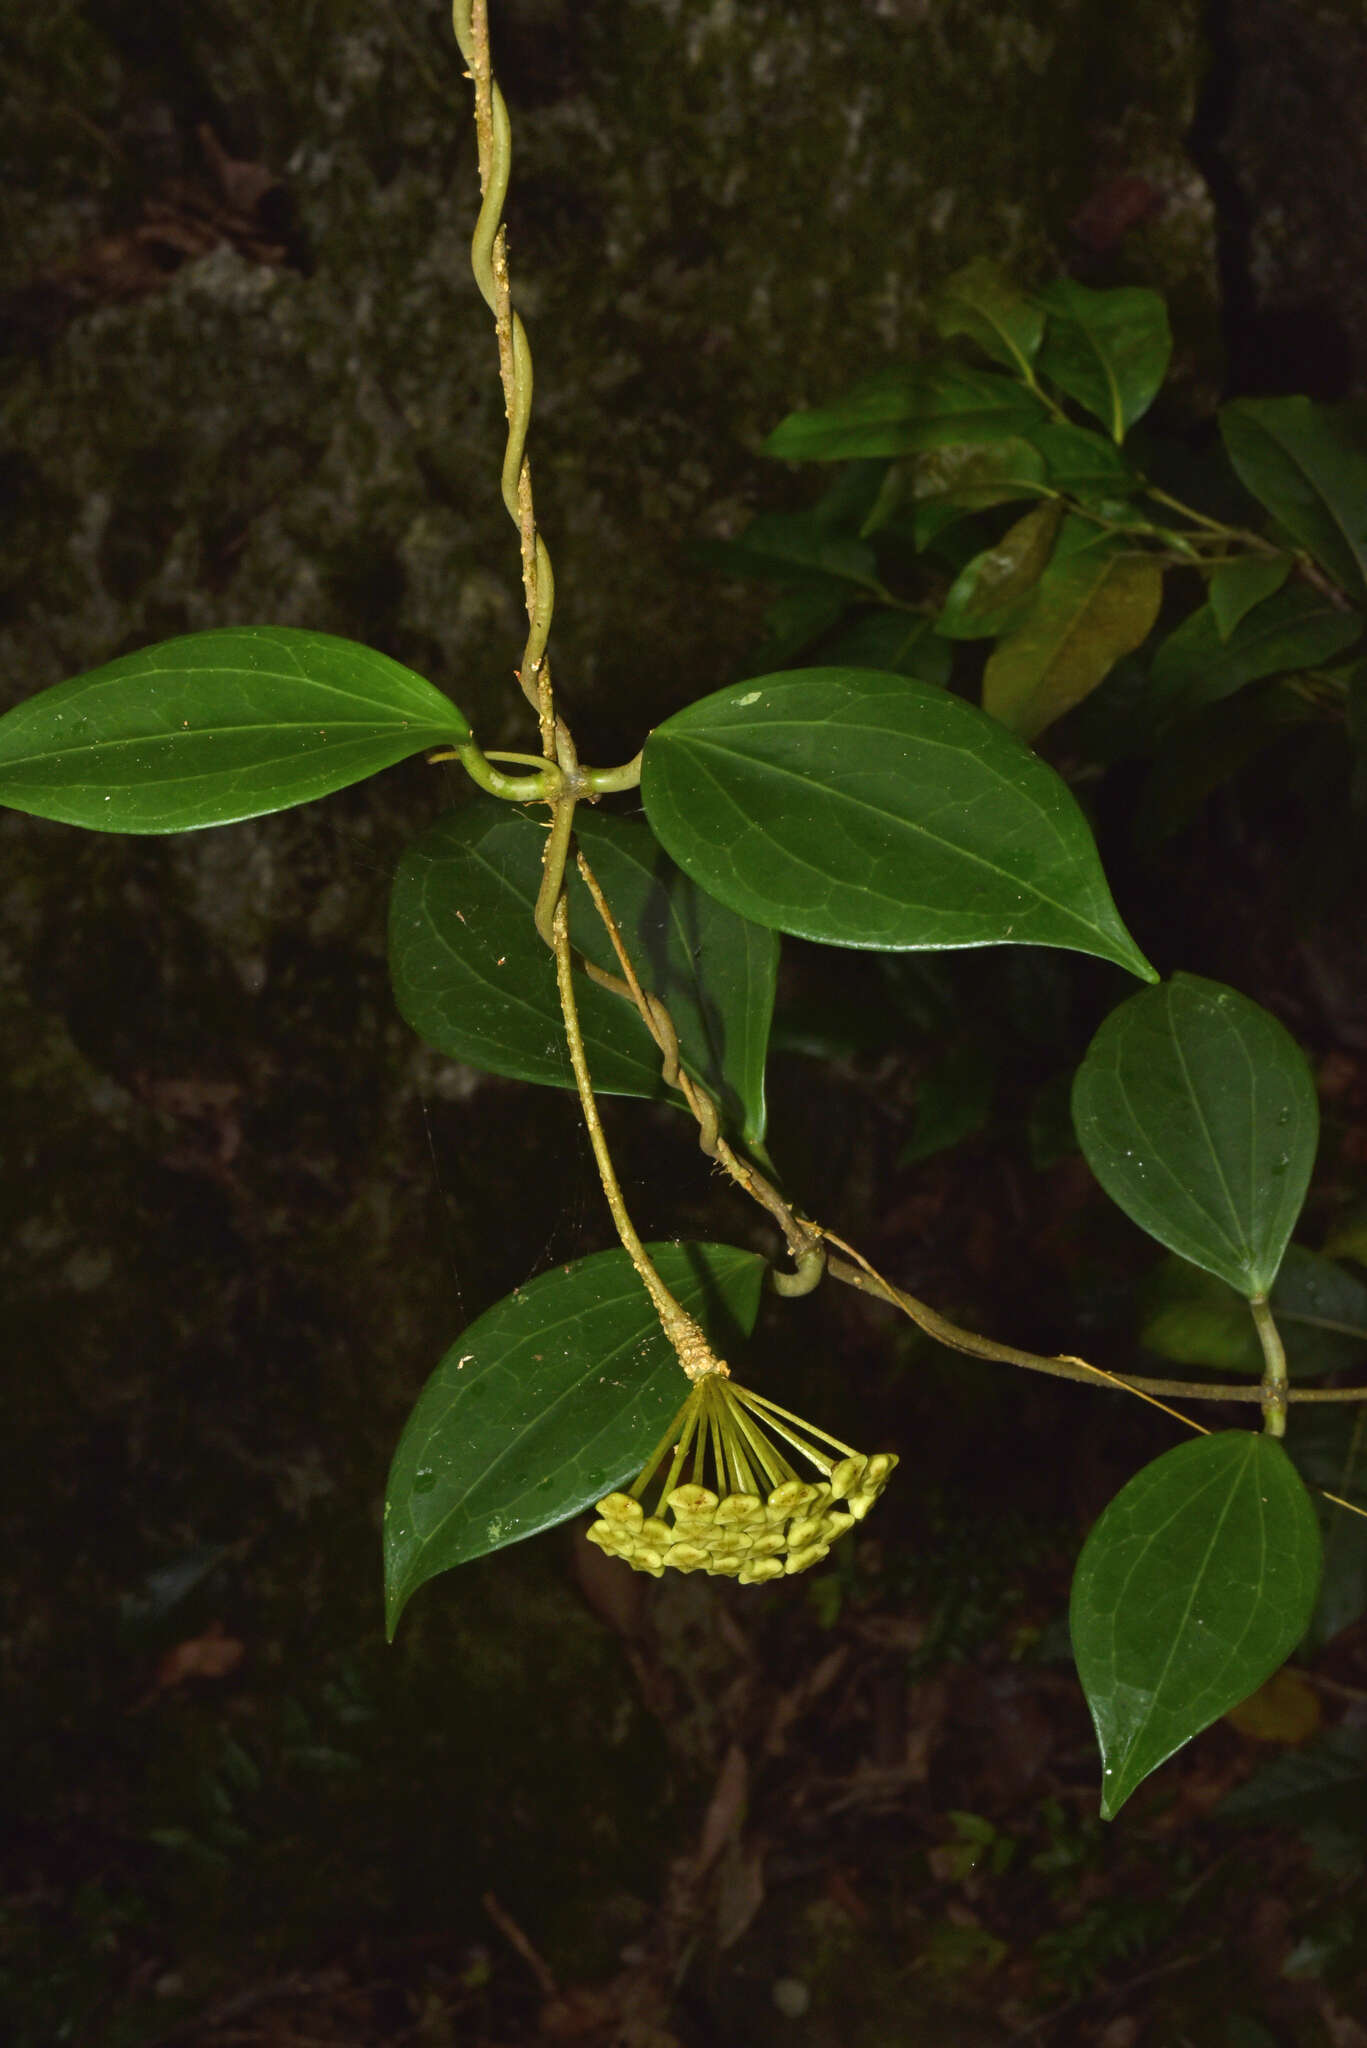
column 395, row 1600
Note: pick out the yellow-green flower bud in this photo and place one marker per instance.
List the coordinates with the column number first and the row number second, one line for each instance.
column 761, row 1522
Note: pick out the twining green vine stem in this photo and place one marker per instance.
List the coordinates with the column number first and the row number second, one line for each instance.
column 1274, row 1387
column 543, row 786
column 695, row 1354
column 802, row 1242
column 561, row 782
column 489, row 261
column 804, row 1237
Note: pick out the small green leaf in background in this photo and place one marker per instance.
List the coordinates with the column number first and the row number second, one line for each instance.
column 1325, row 1781
column 1108, row 350
column 1328, row 1446
column 785, row 546
column 815, row 556
column 1307, row 463
column 986, row 596
column 1246, row 2033
column 872, row 810
column 965, row 477
column 1083, row 464
column 1197, row 1582
column 1296, row 628
column 1357, row 732
column 953, row 1100
column 1196, row 1111
column 902, row 410
column 555, row 1396
column 472, row 977
column 1210, row 748
column 1236, row 587
column 898, row 643
column 981, row 302
column 1095, row 601
column 800, row 616
column 1347, row 1237
column 216, row 727
column 1192, row 1318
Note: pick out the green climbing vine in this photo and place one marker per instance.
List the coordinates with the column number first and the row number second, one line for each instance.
column 994, row 557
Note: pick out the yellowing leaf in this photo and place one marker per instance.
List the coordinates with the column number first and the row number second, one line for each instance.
column 1094, row 603
column 989, row 591
column 1286, row 1709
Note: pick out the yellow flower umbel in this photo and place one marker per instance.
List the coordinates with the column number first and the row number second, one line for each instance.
column 760, row 1520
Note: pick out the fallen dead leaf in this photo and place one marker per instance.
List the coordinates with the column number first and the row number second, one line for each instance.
column 214, row 1654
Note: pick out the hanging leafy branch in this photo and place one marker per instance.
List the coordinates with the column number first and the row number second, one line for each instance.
column 996, row 536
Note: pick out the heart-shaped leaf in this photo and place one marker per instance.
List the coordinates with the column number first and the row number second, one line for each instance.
column 472, row 977
column 1109, row 350
column 1198, row 1581
column 554, row 1397
column 981, row 302
column 901, row 410
column 872, row 810
column 1197, row 1113
column 1307, row 463
column 216, row 727
column 1093, row 603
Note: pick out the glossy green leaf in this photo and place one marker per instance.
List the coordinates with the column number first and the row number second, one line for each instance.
column 1192, row 1318
column 1237, row 586
column 899, row 643
column 216, row 727
column 1108, row 350
column 873, row 810
column 554, row 1397
column 1085, row 465
column 987, row 595
column 1296, row 628
column 1196, row 1111
column 1307, row 463
column 472, row 977
column 902, row 410
column 1197, row 1582
column 1094, row 602
column 981, row 301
